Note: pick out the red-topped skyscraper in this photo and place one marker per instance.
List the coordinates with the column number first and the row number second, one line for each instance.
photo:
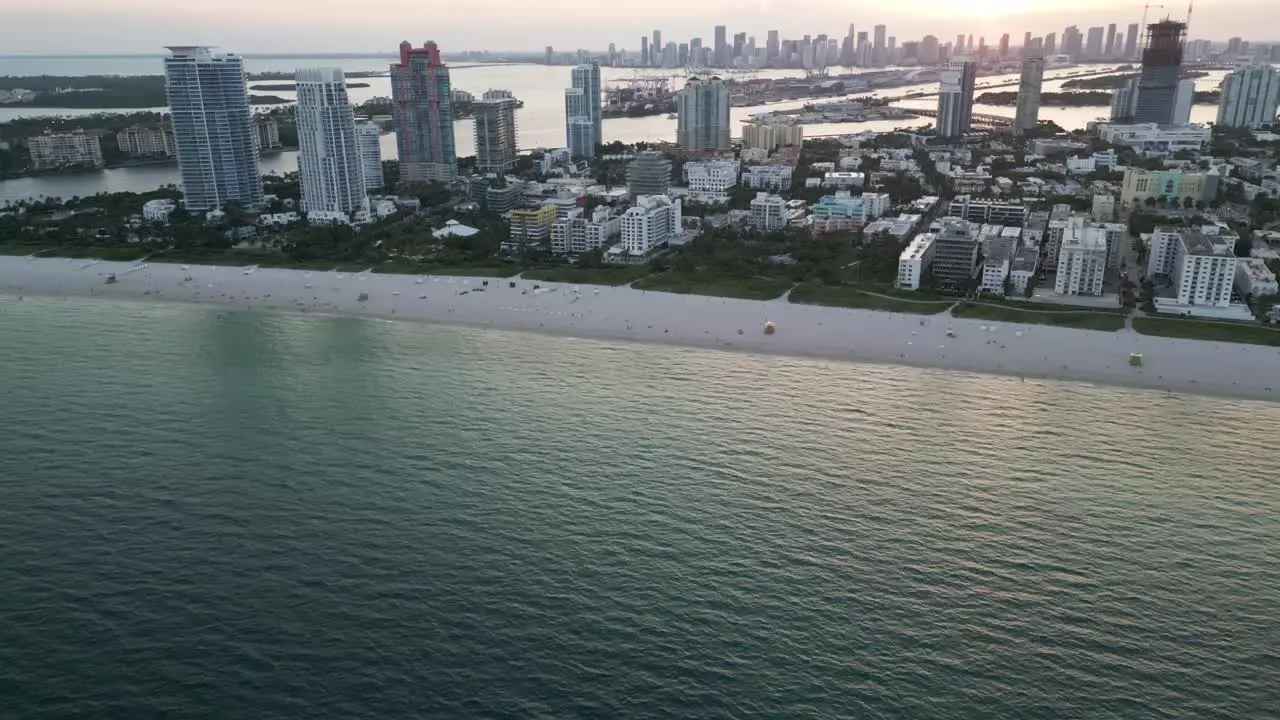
column 423, row 112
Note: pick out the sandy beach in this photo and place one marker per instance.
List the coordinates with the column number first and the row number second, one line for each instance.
column 1032, row 351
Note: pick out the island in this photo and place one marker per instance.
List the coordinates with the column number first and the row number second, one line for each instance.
column 293, row 87
column 99, row 92
column 1115, row 82
column 1089, row 98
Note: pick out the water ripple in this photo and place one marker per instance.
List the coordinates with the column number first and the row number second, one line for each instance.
column 281, row 517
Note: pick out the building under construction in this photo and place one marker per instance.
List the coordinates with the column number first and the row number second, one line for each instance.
column 1161, row 72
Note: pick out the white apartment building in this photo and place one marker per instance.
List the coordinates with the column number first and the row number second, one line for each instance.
column 146, row 140
column 713, row 178
column 1200, row 262
column 158, row 211
column 771, row 178
column 1117, row 237
column 1058, row 218
column 995, row 267
column 1081, row 165
column 1154, row 140
column 898, row 164
column 55, row 150
column 914, row 261
column 215, row 136
column 653, row 221
column 844, row 180
column 987, row 211
column 1082, row 259
column 368, row 140
column 1253, row 277
column 965, row 181
column 1023, row 268
column 768, row 212
column 578, row 234
column 329, row 163
column 899, row 227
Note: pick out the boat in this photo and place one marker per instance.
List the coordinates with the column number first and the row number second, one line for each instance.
column 362, row 297
column 770, row 328
column 111, row 279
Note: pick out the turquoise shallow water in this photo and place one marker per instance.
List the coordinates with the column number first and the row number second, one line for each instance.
column 230, row 515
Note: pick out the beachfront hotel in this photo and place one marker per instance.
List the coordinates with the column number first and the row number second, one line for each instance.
column 212, row 130
column 955, row 253
column 422, row 105
column 1200, row 262
column 329, row 163
column 1082, row 259
column 653, row 221
column 914, row 261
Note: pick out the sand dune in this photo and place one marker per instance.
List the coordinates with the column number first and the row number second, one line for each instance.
column 1032, row 351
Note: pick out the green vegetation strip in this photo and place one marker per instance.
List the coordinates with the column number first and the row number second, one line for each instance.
column 1086, row 320
column 619, row 275
column 753, row 288
column 1214, row 331
column 852, row 297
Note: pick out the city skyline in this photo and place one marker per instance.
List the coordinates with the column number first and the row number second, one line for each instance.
column 63, row 26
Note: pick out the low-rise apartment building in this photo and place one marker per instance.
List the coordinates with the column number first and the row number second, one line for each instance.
column 1254, row 278
column 1082, row 259
column 768, row 212
column 532, row 227
column 844, row 211
column 652, row 222
column 770, row 178
column 50, row 151
column 1200, row 262
column 578, row 234
column 915, row 261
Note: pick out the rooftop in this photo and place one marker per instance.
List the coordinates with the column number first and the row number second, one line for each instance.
column 1025, row 260
column 917, row 248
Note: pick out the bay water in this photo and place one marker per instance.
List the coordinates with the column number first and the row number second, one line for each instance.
column 541, row 120
column 207, row 513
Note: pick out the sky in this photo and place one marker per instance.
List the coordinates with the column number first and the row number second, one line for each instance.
column 254, row 26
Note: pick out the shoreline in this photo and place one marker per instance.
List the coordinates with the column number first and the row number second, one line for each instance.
column 1036, row 352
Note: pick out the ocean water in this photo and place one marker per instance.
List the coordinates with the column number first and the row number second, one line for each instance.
column 213, row 514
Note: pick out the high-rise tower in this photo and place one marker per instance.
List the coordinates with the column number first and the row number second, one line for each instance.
column 584, row 122
column 1161, row 71
column 369, row 140
column 955, row 97
column 328, row 152
column 1131, row 42
column 1028, row 112
column 1250, row 96
column 703, row 109
column 212, row 133
column 423, row 112
column 496, row 146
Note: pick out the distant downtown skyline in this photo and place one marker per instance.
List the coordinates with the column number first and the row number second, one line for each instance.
column 40, row 26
